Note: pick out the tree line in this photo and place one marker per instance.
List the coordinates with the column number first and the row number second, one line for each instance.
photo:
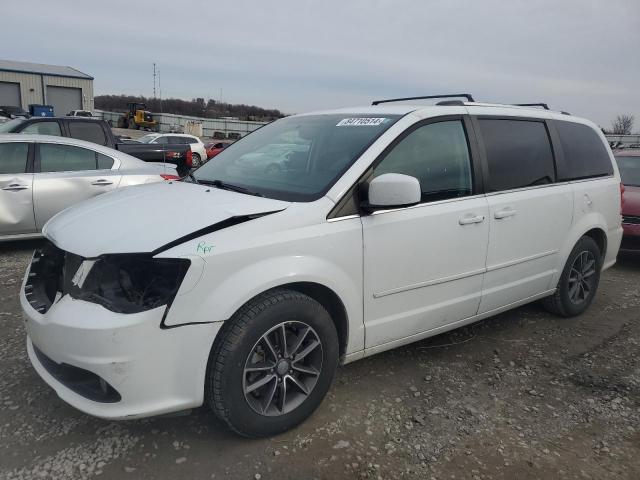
column 196, row 107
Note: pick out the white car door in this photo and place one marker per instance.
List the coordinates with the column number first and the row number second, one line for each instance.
column 424, row 265
column 529, row 214
column 16, row 189
column 66, row 175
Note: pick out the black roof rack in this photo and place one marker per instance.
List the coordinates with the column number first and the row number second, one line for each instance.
column 543, row 105
column 445, row 103
column 425, row 97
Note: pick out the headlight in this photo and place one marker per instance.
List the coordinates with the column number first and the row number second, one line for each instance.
column 124, row 283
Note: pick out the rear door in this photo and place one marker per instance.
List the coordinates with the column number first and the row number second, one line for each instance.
column 529, row 213
column 16, row 188
column 66, row 175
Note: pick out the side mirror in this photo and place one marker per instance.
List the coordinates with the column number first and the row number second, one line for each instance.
column 393, row 190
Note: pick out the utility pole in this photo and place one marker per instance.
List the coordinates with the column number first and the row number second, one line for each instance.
column 160, row 89
column 154, row 80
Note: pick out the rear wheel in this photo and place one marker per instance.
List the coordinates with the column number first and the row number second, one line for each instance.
column 579, row 280
column 272, row 364
column 196, row 160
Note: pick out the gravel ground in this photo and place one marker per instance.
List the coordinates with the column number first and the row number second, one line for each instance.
column 521, row 395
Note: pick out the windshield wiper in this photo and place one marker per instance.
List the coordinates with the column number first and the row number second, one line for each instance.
column 229, row 186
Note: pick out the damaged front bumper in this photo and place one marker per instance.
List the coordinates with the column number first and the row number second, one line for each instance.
column 116, row 365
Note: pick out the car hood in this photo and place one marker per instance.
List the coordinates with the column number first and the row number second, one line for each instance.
column 146, row 218
column 631, row 204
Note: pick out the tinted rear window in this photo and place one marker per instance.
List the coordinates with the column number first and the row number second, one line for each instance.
column 585, row 154
column 90, row 131
column 104, row 162
column 629, row 167
column 518, row 152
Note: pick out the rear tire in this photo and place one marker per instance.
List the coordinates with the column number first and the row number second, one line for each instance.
column 196, row 161
column 294, row 374
column 579, row 280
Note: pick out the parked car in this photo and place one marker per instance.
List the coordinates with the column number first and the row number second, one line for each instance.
column 629, row 166
column 79, row 113
column 405, row 222
column 8, row 112
column 41, row 175
column 124, row 139
column 98, row 131
column 214, row 148
column 274, row 158
column 197, row 147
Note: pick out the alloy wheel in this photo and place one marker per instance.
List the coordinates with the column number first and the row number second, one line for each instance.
column 582, row 277
column 282, row 368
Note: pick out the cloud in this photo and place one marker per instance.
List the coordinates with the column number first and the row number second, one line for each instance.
column 298, row 55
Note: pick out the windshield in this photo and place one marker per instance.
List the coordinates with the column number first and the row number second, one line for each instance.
column 147, row 138
column 8, row 127
column 296, row 158
column 629, row 170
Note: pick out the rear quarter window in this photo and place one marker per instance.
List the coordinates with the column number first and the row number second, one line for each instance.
column 104, row 162
column 585, row 154
column 89, row 131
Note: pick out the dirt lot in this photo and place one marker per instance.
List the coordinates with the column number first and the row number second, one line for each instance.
column 522, row 395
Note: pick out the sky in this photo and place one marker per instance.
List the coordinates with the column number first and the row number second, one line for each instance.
column 581, row 56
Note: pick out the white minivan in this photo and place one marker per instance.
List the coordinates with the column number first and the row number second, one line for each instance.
column 384, row 225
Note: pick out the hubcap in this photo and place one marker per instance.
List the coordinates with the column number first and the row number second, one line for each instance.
column 282, row 369
column 582, row 277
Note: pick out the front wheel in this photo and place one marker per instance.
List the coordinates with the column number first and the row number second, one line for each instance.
column 272, row 364
column 579, row 280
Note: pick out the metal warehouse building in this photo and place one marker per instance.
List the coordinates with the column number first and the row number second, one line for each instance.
column 65, row 88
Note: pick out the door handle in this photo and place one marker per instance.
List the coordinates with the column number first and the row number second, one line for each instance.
column 471, row 219
column 101, row 182
column 504, row 213
column 15, row 187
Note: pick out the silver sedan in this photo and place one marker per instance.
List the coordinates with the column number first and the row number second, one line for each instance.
column 41, row 175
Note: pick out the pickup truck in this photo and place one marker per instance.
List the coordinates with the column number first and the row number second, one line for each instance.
column 98, row 131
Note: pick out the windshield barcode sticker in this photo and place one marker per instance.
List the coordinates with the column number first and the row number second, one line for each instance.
column 360, row 122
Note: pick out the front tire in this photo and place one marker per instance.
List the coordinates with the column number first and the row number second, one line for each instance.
column 579, row 280
column 272, row 363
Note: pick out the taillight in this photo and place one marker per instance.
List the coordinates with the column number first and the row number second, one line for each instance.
column 168, row 176
column 621, row 197
column 189, row 159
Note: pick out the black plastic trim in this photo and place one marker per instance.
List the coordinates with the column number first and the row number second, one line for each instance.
column 229, row 222
column 543, row 105
column 83, row 382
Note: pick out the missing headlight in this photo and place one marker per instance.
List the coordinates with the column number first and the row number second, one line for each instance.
column 126, row 283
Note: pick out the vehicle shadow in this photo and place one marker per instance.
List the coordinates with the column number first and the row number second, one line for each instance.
column 19, row 246
column 628, row 260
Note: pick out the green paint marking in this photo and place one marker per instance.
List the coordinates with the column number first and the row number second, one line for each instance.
column 204, row 248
